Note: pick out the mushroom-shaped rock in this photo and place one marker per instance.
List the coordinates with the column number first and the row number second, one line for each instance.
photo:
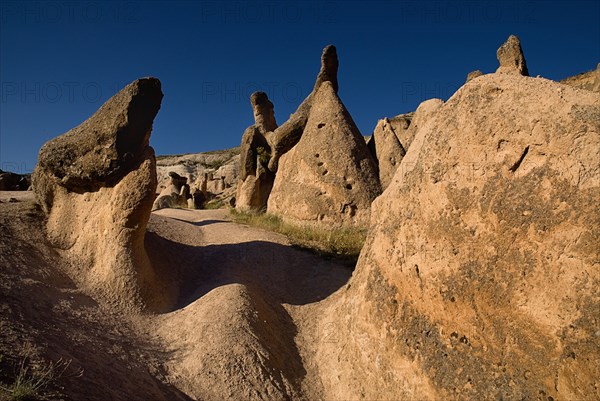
column 329, row 177
column 511, row 58
column 171, row 196
column 96, row 184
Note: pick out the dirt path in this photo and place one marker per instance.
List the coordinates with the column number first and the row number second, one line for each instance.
column 248, row 309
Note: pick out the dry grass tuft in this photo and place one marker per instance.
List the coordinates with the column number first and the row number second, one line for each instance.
column 340, row 243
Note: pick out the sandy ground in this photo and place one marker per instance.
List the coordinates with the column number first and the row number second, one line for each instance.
column 244, row 325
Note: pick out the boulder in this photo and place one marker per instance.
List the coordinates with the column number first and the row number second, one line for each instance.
column 473, row 75
column 479, row 276
column 329, row 177
column 96, row 183
column 386, row 150
column 511, row 58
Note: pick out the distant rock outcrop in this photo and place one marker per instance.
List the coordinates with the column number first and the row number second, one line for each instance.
column 14, row 182
column 386, row 150
column 588, row 80
column 329, row 176
column 473, row 75
column 97, row 183
column 511, row 58
column 478, row 279
column 175, row 194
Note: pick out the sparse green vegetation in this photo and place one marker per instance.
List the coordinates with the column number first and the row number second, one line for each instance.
column 31, row 380
column 341, row 243
column 264, row 155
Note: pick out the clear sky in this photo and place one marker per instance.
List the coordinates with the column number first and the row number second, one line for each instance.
column 60, row 60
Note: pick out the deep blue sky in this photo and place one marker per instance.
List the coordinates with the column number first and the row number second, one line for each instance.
column 60, row 60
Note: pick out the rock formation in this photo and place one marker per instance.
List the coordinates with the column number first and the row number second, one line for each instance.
column 478, row 279
column 264, row 142
column 96, row 184
column 386, row 150
column 14, row 182
column 511, row 57
column 286, row 136
column 473, row 75
column 588, row 80
column 424, row 113
column 256, row 180
column 175, row 194
column 329, row 176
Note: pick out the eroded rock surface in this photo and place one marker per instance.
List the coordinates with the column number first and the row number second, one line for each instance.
column 479, row 277
column 386, row 150
column 511, row 58
column 256, row 180
column 264, row 142
column 97, row 184
column 588, row 80
column 329, row 177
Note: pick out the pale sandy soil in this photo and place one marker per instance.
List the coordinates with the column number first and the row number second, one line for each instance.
column 243, row 328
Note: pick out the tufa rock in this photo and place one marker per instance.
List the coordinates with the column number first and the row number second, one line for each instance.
column 511, row 58
column 424, row 112
column 473, row 75
column 255, row 179
column 288, row 135
column 481, row 263
column 107, row 146
column 96, row 184
column 386, row 150
column 329, row 177
column 264, row 143
column 175, row 193
column 588, row 80
column 264, row 112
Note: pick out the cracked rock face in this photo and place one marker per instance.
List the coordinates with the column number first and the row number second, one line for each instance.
column 96, row 184
column 479, row 277
column 329, row 177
